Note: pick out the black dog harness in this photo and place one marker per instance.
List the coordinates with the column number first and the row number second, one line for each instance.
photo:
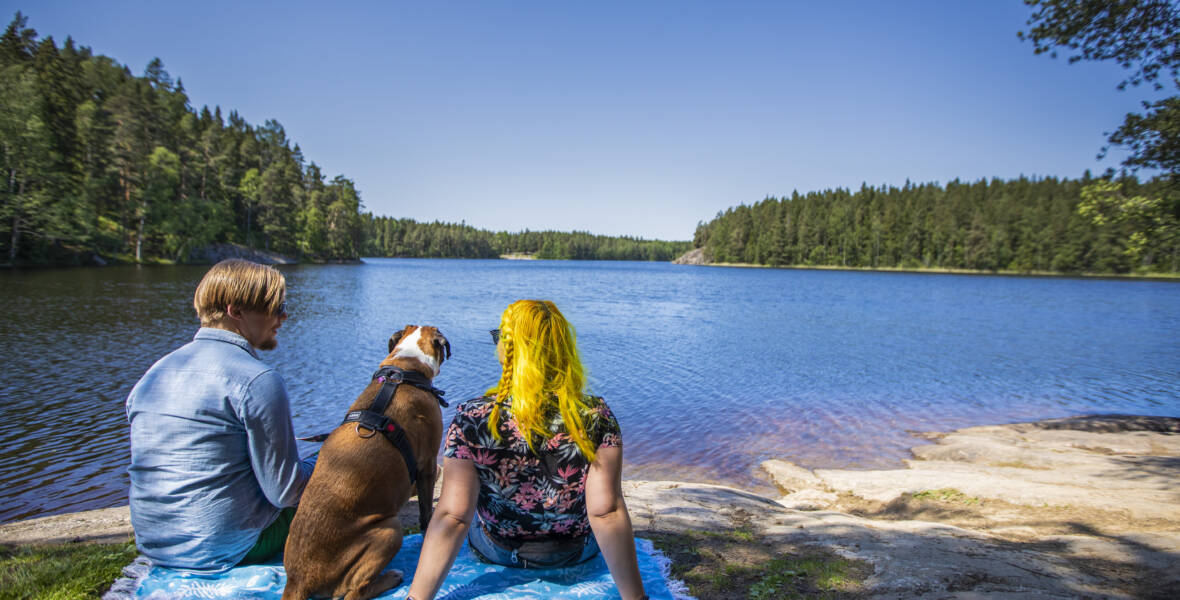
column 374, row 418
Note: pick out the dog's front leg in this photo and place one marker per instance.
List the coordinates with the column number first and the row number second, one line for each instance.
column 426, row 495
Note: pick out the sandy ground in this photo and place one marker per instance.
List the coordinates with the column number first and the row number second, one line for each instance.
column 1087, row 507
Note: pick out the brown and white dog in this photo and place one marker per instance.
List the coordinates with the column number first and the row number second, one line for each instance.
column 346, row 529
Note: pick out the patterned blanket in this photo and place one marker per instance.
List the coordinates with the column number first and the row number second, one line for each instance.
column 469, row 579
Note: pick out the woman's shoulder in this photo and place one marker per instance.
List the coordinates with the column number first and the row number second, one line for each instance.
column 476, row 407
column 601, row 416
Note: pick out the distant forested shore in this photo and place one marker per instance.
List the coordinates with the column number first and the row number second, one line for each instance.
column 390, row 237
column 101, row 165
column 1042, row 225
column 104, row 166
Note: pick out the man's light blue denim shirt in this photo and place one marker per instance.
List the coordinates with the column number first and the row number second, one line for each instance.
column 213, row 456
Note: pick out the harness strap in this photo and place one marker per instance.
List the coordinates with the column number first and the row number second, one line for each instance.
column 374, row 418
column 414, row 378
column 387, row 427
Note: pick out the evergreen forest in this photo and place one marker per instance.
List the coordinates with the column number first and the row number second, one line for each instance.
column 1022, row 225
column 99, row 162
column 1111, row 224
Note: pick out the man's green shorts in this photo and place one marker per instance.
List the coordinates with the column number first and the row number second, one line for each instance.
column 271, row 540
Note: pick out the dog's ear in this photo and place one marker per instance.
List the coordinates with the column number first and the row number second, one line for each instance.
column 396, row 337
column 442, row 346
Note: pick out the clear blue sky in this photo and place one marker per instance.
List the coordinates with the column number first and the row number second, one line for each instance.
column 631, row 118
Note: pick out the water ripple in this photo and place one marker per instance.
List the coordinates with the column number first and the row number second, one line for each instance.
column 710, row 371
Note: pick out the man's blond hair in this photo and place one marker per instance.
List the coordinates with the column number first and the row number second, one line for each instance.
column 242, row 283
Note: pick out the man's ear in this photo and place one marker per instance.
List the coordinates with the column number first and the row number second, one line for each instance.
column 233, row 311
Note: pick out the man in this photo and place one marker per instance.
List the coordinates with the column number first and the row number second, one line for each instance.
column 214, row 468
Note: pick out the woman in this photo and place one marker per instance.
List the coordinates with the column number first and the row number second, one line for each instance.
column 541, row 460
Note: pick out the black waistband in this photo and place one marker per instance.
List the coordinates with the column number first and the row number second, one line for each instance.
column 543, row 545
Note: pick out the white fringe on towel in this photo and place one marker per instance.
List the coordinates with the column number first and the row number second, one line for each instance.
column 677, row 587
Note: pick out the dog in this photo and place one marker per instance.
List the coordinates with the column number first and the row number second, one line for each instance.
column 346, row 528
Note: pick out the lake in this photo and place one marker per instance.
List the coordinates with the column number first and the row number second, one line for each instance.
column 709, row 370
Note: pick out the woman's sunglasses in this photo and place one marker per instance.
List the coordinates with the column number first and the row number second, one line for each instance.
column 495, row 336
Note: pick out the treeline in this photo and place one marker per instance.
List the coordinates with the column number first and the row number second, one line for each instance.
column 100, row 161
column 1022, row 225
column 386, row 236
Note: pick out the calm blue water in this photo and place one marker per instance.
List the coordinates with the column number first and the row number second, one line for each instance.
column 710, row 370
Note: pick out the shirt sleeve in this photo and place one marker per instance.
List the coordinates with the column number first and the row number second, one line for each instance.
column 459, row 434
column 606, row 426
column 270, row 439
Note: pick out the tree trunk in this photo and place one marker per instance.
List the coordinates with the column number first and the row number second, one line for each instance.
column 15, row 215
column 139, row 234
column 15, row 238
column 183, row 179
column 124, row 181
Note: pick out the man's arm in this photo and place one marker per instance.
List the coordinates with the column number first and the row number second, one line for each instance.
column 611, row 522
column 451, row 520
column 270, row 439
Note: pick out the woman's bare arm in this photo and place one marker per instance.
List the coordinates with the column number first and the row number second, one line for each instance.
column 611, row 522
column 451, row 520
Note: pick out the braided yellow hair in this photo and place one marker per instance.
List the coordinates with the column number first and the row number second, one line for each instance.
column 541, row 372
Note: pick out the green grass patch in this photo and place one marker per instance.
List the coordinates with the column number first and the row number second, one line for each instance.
column 779, row 577
column 737, row 564
column 950, row 495
column 61, row 572
column 741, row 534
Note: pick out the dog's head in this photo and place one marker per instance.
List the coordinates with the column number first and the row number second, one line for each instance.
column 424, row 343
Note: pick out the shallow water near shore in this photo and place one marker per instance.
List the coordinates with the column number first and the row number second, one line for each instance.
column 710, row 370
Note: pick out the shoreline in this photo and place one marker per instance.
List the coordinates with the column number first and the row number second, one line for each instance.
column 1164, row 277
column 1060, row 508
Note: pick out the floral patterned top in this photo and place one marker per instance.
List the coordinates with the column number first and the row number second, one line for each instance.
column 523, row 496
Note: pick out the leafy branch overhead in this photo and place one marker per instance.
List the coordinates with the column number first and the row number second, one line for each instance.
column 1141, row 35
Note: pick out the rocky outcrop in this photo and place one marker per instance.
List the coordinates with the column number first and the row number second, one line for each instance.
column 102, row 526
column 910, row 559
column 218, row 252
column 1098, row 496
column 1110, row 463
column 696, row 256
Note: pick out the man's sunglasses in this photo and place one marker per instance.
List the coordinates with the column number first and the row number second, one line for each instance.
column 495, row 336
column 281, row 310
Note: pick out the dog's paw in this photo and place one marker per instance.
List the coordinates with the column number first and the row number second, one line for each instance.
column 391, row 579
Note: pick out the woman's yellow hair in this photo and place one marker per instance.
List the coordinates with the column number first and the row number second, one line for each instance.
column 541, row 371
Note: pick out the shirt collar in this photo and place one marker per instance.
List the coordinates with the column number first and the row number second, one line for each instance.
column 221, row 335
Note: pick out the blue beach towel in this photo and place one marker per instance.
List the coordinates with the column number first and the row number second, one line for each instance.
column 469, row 579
